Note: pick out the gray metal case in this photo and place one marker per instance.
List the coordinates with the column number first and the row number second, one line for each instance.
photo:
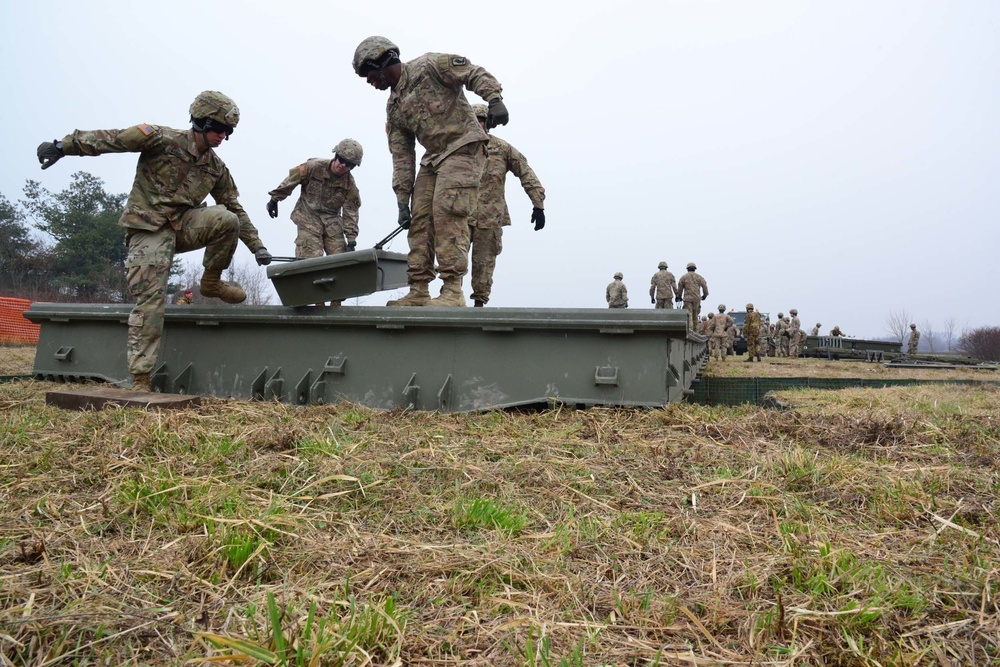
column 337, row 277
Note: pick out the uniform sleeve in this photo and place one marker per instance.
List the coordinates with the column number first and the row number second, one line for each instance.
column 652, row 287
column 98, row 142
column 350, row 215
column 457, row 71
column 704, row 287
column 402, row 146
column 517, row 164
column 295, row 176
column 225, row 194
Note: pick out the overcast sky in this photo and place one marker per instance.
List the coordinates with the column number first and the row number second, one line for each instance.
column 842, row 158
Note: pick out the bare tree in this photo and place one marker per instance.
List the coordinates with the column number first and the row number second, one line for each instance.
column 982, row 343
column 897, row 322
column 253, row 280
column 928, row 336
column 950, row 327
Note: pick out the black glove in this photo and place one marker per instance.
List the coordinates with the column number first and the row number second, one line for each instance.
column 49, row 153
column 497, row 114
column 272, row 208
column 404, row 216
column 678, row 299
column 704, row 297
column 538, row 217
column 351, row 245
column 262, row 256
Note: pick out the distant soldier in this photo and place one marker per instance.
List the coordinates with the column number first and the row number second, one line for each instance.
column 786, row 335
column 718, row 330
column 751, row 331
column 702, row 323
column 835, row 331
column 617, row 294
column 780, row 338
column 794, row 327
column 731, row 338
column 911, row 346
column 815, row 330
column 185, row 299
column 326, row 213
column 692, row 290
column 486, row 226
column 662, row 288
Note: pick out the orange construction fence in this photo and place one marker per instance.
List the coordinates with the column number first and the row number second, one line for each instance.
column 14, row 328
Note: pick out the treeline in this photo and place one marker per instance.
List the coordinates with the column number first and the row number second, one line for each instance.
column 64, row 246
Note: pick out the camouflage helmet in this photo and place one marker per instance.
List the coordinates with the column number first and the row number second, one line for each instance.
column 749, row 306
column 818, row 325
column 350, row 150
column 711, row 315
column 793, row 312
column 913, row 326
column 371, row 52
column 619, row 275
column 481, row 110
column 722, row 307
column 213, row 104
column 661, row 265
column 691, row 266
column 780, row 315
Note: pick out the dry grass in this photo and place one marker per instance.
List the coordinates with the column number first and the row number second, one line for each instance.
column 857, row 528
column 16, row 359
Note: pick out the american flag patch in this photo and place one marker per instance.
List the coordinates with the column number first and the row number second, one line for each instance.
column 145, row 129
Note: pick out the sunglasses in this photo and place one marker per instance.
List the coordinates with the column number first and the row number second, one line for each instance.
column 344, row 161
column 221, row 128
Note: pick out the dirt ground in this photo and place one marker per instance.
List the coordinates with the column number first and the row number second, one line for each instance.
column 17, row 359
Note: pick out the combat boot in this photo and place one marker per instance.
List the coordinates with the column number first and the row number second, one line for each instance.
column 479, row 304
column 451, row 294
column 749, row 358
column 212, row 285
column 419, row 295
column 140, row 382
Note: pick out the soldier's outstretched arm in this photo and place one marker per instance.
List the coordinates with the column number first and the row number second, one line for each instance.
column 98, row 142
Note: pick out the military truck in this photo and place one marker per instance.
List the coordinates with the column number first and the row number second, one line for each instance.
column 740, row 342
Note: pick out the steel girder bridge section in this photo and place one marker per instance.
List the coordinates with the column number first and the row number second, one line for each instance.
column 445, row 359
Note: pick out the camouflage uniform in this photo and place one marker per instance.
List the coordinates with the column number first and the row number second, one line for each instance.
column 616, row 293
column 913, row 343
column 428, row 105
column 663, row 288
column 165, row 215
column 491, row 215
column 751, row 331
column 692, row 289
column 836, row 332
column 718, row 330
column 815, row 330
column 794, row 336
column 327, row 210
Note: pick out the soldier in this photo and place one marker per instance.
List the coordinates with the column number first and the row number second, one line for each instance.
column 326, row 213
column 779, row 333
column 835, row 331
column 794, row 327
column 486, row 226
column 815, row 330
column 704, row 324
column 688, row 288
column 185, row 299
column 911, row 345
column 785, row 335
column 751, row 331
column 165, row 214
column 718, row 330
column 616, row 293
column 662, row 288
column 427, row 104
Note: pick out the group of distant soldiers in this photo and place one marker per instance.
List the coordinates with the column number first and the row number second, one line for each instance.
column 664, row 290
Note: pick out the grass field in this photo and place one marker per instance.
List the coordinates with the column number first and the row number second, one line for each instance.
column 856, row 528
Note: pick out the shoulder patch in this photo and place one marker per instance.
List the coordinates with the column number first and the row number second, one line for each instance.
column 303, row 170
column 459, row 61
column 145, row 128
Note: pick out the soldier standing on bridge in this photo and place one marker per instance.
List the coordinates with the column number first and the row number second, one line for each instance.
column 326, row 213
column 692, row 290
column 913, row 343
column 428, row 104
column 616, row 293
column 815, row 330
column 486, row 226
column 662, row 288
column 718, row 331
column 794, row 335
column 165, row 213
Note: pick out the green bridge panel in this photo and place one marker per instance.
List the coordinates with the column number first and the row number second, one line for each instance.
column 447, row 359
